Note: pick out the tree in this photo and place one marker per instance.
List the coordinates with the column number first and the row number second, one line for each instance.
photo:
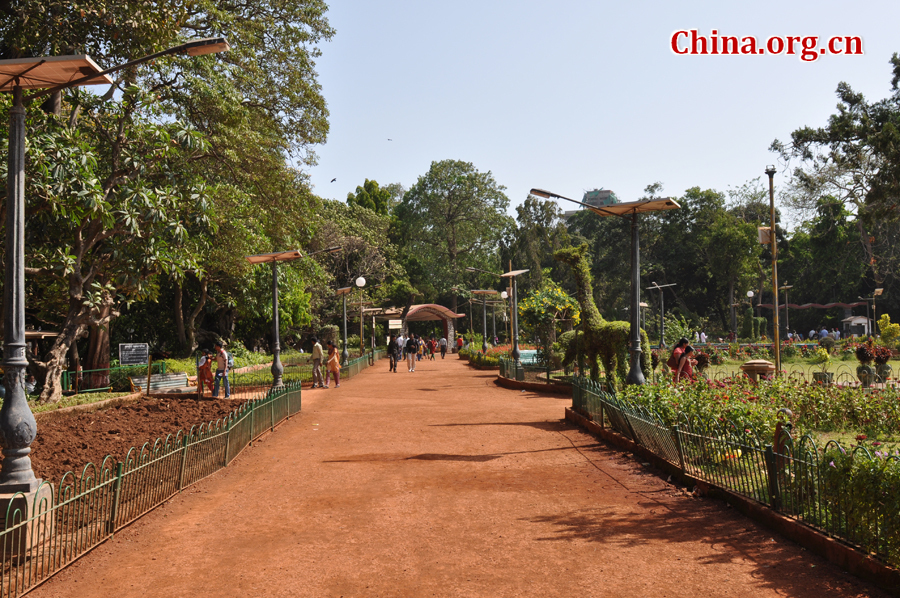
column 453, row 217
column 371, row 196
column 540, row 232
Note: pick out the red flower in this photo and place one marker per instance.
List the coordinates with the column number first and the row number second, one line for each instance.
column 861, row 437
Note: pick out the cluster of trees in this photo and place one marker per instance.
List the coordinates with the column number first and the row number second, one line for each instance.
column 143, row 200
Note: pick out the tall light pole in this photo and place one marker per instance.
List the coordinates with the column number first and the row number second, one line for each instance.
column 50, row 74
column 629, row 211
column 345, row 354
column 770, row 170
column 516, row 354
column 787, row 318
column 662, row 311
column 484, row 293
column 274, row 258
column 876, row 293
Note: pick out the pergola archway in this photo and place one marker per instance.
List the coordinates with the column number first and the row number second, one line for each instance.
column 426, row 312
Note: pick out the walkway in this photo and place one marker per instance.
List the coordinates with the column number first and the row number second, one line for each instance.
column 439, row 483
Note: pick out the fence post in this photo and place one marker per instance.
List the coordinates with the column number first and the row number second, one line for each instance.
column 252, row 421
column 183, row 463
column 227, row 440
column 772, row 471
column 676, row 434
column 274, row 398
column 111, row 525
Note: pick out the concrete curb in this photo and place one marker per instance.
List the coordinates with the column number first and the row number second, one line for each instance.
column 844, row 556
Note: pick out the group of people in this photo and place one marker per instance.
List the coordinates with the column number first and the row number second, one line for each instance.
column 332, row 364
column 682, row 361
column 413, row 348
column 205, row 375
column 820, row 335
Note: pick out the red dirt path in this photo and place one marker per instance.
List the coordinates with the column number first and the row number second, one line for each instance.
column 439, row 483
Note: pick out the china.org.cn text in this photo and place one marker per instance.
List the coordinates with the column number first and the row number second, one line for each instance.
column 689, row 42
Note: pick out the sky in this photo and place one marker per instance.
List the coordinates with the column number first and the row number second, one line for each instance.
column 581, row 94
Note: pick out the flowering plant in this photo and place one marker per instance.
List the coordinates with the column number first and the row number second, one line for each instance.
column 865, row 352
column 822, row 358
column 882, row 354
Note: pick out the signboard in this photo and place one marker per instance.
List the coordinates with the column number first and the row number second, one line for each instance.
column 395, row 324
column 134, row 353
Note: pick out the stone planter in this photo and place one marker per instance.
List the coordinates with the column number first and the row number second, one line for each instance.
column 824, row 378
column 884, row 371
column 866, row 375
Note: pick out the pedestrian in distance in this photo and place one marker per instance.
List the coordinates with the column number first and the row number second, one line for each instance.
column 333, row 366
column 317, row 364
column 412, row 348
column 392, row 354
column 204, row 372
column 443, row 345
column 221, row 371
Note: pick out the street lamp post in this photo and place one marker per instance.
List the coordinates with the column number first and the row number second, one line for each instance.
column 274, row 258
column 770, row 170
column 662, row 311
column 345, row 354
column 360, row 283
column 874, row 319
column 516, row 354
column 484, row 294
column 50, row 74
column 630, row 211
column 787, row 318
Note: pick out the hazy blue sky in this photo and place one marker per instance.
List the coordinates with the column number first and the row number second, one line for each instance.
column 576, row 94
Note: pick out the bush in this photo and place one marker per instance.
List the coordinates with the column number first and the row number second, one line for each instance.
column 865, row 352
column 882, row 354
column 828, row 343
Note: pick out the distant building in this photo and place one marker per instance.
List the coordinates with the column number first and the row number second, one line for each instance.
column 597, row 198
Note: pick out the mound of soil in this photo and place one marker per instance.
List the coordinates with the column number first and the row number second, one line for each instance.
column 67, row 442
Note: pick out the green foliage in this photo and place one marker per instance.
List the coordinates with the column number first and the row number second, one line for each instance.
column 822, row 357
column 453, row 217
column 546, row 306
column 676, row 327
column 371, row 197
column 889, row 332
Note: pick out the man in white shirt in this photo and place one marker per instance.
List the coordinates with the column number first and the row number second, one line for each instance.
column 317, row 364
column 443, row 345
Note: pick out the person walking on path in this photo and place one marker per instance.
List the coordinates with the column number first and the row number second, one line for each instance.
column 393, row 349
column 459, row 343
column 221, row 371
column 443, row 345
column 317, row 364
column 432, row 345
column 204, row 372
column 333, row 366
column 412, row 348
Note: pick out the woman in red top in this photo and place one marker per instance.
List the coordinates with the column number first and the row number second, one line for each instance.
column 686, row 364
column 676, row 353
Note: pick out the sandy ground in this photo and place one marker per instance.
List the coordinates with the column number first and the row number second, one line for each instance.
column 439, row 483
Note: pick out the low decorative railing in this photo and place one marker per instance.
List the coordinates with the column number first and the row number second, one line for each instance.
column 853, row 496
column 59, row 525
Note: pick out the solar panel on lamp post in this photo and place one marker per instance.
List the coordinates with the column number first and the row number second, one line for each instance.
column 274, row 258
column 628, row 210
column 50, row 74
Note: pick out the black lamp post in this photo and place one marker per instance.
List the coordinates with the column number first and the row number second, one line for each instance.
column 770, row 170
column 516, row 354
column 628, row 210
column 484, row 294
column 274, row 258
column 50, row 74
column 345, row 354
column 662, row 311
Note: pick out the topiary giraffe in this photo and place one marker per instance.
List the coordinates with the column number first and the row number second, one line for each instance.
column 601, row 341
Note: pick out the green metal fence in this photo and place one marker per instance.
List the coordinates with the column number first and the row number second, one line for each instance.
column 854, row 502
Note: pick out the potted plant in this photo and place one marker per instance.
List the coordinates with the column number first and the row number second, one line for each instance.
column 882, row 367
column 865, row 353
column 823, row 358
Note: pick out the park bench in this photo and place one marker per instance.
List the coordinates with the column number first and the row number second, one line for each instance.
column 166, row 383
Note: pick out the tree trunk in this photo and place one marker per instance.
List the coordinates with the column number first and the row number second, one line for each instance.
column 54, row 365
column 183, row 347
column 98, row 351
column 191, row 325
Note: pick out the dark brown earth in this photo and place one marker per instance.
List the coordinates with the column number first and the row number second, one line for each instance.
column 439, row 483
column 67, row 442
